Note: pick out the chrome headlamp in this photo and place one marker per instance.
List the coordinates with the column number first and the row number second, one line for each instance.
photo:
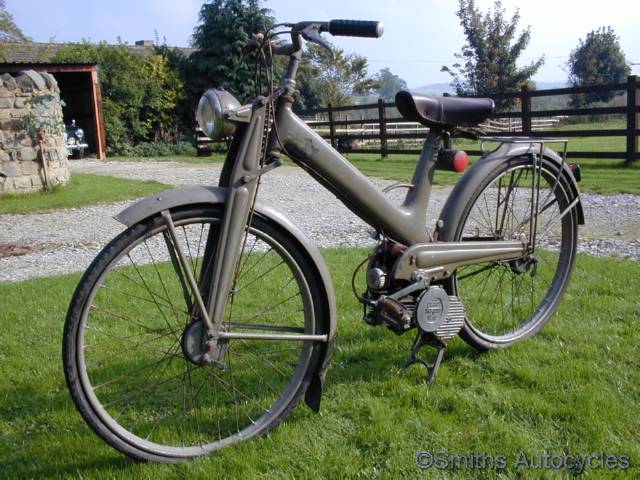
column 210, row 114
column 79, row 133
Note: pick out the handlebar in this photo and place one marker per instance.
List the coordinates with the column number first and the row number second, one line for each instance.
column 355, row 28
column 310, row 31
column 342, row 28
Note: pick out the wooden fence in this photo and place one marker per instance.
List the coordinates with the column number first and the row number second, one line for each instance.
column 527, row 120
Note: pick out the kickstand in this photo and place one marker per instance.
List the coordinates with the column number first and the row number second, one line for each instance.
column 432, row 368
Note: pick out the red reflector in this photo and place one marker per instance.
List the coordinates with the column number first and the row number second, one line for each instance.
column 460, row 161
column 575, row 169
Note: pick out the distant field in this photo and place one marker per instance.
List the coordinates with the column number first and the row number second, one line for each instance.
column 213, row 158
column 598, row 175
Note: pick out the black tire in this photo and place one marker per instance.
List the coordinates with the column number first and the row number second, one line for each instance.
column 486, row 289
column 123, row 308
column 78, row 153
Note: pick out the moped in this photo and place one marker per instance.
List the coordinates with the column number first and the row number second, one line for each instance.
column 212, row 315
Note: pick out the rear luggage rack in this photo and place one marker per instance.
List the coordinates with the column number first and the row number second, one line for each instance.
column 531, row 140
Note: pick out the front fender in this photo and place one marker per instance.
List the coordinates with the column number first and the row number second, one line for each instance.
column 180, row 197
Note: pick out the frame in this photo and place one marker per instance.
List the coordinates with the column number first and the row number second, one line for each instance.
column 423, row 262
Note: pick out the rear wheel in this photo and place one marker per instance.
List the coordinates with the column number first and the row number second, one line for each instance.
column 508, row 301
column 131, row 340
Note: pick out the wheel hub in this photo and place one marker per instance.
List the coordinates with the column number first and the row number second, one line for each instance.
column 195, row 348
column 524, row 265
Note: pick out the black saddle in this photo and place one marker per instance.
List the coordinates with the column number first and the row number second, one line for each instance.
column 443, row 112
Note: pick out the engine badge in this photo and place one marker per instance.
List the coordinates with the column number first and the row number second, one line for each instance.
column 432, row 309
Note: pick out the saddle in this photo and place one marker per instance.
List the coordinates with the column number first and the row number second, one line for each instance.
column 443, row 112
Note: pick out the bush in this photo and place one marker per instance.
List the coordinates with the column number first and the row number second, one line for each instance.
column 140, row 93
column 151, row 149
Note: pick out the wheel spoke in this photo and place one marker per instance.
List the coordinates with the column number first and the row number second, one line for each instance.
column 502, row 307
column 143, row 366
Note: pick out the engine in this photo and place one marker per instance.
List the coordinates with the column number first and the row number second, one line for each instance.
column 435, row 313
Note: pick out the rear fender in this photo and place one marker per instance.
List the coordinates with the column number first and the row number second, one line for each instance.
column 181, row 197
column 454, row 206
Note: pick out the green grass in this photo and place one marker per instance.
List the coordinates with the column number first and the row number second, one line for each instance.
column 83, row 189
column 572, row 389
column 598, row 175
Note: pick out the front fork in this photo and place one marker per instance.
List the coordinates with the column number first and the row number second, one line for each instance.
column 223, row 245
column 223, row 249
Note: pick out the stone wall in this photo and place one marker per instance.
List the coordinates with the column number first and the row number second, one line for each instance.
column 21, row 167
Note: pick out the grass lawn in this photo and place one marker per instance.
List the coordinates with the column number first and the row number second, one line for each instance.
column 213, row 158
column 573, row 389
column 83, row 189
column 598, row 175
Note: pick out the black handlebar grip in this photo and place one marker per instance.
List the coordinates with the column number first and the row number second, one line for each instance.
column 356, row 28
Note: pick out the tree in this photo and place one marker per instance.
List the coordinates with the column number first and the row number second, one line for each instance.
column 9, row 31
column 163, row 91
column 327, row 79
column 487, row 62
column 597, row 59
column 122, row 84
column 307, row 85
column 225, row 29
column 390, row 84
column 176, row 63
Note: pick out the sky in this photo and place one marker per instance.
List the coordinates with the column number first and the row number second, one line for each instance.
column 420, row 35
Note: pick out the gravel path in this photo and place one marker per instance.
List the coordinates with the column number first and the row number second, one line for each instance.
column 66, row 241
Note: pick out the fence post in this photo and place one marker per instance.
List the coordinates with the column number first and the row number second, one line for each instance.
column 633, row 100
column 382, row 116
column 525, row 102
column 332, row 126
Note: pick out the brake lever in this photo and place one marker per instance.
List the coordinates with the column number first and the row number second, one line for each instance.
column 311, row 33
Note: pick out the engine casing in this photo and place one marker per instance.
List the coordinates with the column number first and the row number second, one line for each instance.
column 439, row 314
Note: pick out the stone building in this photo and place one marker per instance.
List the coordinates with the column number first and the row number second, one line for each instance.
column 78, row 82
column 27, row 100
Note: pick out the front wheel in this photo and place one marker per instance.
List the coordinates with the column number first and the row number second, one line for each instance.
column 131, row 355
column 508, row 301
